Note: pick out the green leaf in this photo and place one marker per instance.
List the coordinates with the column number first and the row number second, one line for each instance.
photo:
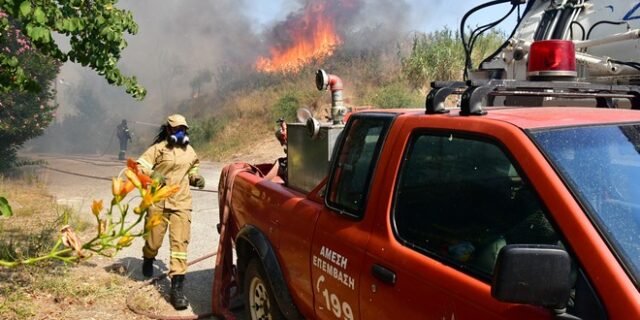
column 39, row 15
column 68, row 25
column 5, row 208
column 25, row 8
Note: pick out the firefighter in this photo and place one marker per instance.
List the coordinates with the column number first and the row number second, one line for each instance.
column 172, row 160
column 124, row 136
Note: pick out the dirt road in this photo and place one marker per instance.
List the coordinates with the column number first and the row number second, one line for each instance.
column 75, row 180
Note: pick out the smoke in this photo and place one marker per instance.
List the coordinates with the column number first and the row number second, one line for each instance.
column 380, row 24
column 185, row 49
column 177, row 54
column 179, row 43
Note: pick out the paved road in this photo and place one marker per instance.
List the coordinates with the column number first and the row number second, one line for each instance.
column 75, row 180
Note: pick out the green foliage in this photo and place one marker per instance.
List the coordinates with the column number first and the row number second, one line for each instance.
column 95, row 30
column 287, row 106
column 25, row 114
column 395, row 95
column 439, row 55
column 201, row 132
column 5, row 208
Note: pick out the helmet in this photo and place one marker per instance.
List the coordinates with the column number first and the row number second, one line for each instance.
column 176, row 120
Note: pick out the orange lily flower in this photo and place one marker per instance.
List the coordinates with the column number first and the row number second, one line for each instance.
column 165, row 192
column 116, row 186
column 128, row 187
column 116, row 189
column 125, row 240
column 147, row 201
column 133, row 178
column 145, row 180
column 96, row 207
column 132, row 164
column 153, row 220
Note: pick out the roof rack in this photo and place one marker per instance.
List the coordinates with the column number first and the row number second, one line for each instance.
column 478, row 94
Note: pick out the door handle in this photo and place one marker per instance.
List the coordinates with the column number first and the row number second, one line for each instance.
column 383, row 274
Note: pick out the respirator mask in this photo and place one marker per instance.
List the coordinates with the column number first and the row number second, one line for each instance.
column 180, row 137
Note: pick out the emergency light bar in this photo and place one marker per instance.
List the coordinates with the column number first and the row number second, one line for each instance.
column 552, row 60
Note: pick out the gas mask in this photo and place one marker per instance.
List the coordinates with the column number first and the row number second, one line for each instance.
column 180, row 137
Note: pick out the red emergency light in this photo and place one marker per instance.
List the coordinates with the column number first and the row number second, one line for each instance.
column 552, row 60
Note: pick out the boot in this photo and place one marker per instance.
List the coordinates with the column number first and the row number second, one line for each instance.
column 178, row 299
column 147, row 267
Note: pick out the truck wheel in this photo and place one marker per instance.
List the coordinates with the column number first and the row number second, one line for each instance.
column 259, row 299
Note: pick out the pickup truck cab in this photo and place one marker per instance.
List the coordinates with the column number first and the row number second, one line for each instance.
column 514, row 213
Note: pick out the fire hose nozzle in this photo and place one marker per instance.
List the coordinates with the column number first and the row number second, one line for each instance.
column 326, row 81
column 322, row 80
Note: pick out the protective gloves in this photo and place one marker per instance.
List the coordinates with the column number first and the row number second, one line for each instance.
column 197, row 180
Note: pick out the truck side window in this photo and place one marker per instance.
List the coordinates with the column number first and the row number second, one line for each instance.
column 461, row 199
column 353, row 167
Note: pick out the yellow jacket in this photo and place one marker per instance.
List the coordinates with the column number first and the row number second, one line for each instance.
column 178, row 164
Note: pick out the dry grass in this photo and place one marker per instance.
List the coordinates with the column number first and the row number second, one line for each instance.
column 248, row 123
column 247, row 111
column 53, row 291
column 146, row 298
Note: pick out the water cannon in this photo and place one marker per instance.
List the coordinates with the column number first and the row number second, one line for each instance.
column 326, row 81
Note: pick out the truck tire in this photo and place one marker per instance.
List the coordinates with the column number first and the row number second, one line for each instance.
column 259, row 298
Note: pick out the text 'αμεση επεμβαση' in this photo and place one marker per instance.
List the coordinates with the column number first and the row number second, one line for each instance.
column 334, row 257
column 330, row 265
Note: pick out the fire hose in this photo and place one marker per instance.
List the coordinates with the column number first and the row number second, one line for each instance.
column 155, row 280
column 109, row 179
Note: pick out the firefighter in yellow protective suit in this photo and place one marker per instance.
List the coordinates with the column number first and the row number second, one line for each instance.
column 172, row 160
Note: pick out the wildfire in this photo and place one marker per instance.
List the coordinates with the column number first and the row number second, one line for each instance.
column 308, row 36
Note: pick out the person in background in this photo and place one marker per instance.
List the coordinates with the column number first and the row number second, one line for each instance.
column 171, row 160
column 124, row 136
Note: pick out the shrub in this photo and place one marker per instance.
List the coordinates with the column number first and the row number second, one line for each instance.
column 437, row 55
column 24, row 115
column 395, row 95
column 440, row 56
column 201, row 132
column 287, row 106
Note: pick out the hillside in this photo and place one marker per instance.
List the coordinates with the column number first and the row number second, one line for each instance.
column 237, row 119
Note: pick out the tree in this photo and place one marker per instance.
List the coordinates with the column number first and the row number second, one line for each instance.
column 95, row 29
column 25, row 114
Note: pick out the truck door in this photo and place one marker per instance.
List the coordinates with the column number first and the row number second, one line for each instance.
column 457, row 200
column 343, row 228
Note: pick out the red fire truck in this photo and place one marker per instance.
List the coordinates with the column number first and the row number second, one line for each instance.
column 527, row 210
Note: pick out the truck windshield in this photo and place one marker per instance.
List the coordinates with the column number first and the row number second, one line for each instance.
column 601, row 165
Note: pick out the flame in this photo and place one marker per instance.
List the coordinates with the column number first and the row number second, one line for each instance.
column 312, row 36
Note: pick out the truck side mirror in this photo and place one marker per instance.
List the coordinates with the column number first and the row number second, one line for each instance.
column 533, row 274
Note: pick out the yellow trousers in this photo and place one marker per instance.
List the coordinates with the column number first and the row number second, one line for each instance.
column 179, row 224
